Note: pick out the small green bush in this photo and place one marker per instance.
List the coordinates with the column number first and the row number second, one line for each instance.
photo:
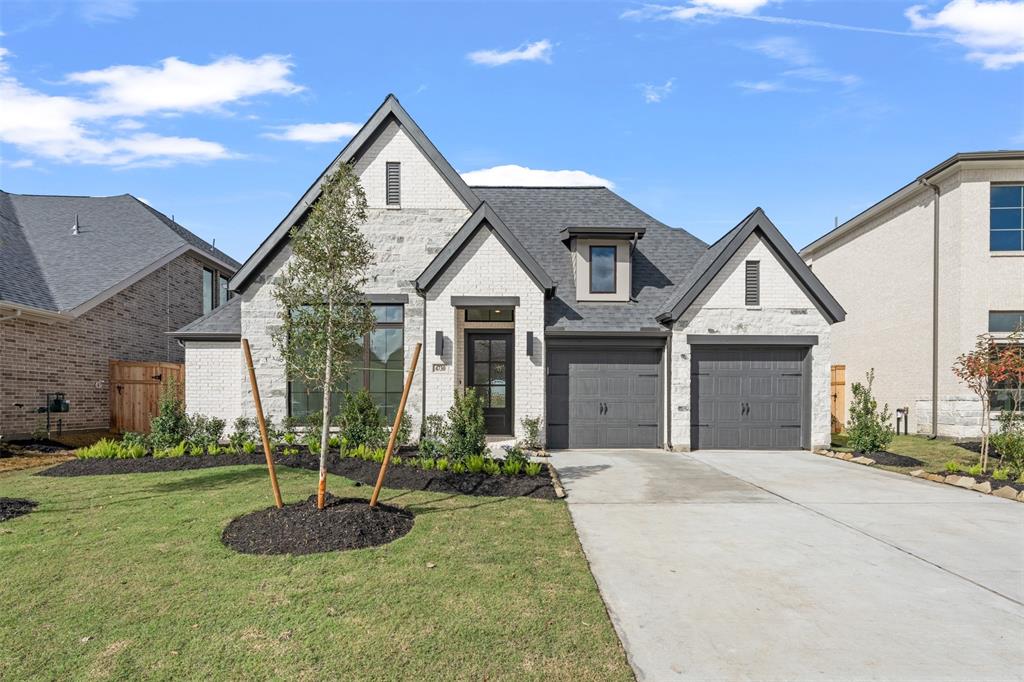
column 531, row 432
column 458, row 468
column 869, row 429
column 975, row 470
column 130, row 450
column 204, row 430
column 467, row 432
column 1009, row 441
column 174, row 451
column 290, row 438
column 361, row 420
column 313, row 444
column 290, row 451
column 441, row 463
column 1000, row 474
column 130, row 438
column 434, row 436
column 492, row 467
column 404, row 435
column 213, row 449
column 396, row 461
column 532, row 468
column 952, row 467
column 334, row 442
column 512, row 467
column 378, row 455
column 475, row 463
column 196, row 450
column 426, row 463
column 249, row 447
column 101, row 449
column 171, row 426
column 242, row 429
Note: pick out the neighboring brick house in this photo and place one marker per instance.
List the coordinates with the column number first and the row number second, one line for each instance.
column 86, row 280
column 566, row 304
column 922, row 273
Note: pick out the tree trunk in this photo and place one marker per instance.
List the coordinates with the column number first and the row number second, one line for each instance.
column 325, row 424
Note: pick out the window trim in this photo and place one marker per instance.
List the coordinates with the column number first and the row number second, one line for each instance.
column 615, row 267
column 1019, row 209
column 396, row 167
column 752, row 283
column 216, row 275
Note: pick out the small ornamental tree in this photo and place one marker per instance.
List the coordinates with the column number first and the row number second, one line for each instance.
column 869, row 429
column 979, row 369
column 323, row 312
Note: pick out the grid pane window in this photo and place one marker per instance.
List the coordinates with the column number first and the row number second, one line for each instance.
column 1006, row 218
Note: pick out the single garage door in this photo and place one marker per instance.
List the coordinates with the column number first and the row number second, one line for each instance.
column 748, row 398
column 604, row 398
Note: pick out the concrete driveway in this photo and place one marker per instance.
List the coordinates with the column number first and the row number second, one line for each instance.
column 786, row 565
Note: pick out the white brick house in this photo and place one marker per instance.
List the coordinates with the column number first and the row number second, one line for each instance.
column 922, row 273
column 566, row 304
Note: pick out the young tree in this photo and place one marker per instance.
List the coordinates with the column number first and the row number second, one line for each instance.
column 323, row 311
column 979, row 369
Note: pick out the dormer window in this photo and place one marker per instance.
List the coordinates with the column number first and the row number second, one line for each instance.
column 602, row 260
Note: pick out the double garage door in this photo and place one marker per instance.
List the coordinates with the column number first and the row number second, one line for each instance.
column 748, row 398
column 604, row 397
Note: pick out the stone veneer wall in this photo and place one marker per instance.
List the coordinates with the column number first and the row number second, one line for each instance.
column 485, row 267
column 721, row 309
column 72, row 355
column 959, row 417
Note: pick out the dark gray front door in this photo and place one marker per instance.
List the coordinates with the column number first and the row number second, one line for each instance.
column 604, row 398
column 747, row 398
column 489, row 363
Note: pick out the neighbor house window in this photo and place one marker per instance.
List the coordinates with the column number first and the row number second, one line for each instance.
column 394, row 183
column 378, row 367
column 215, row 289
column 1000, row 321
column 753, row 283
column 1006, row 218
column 489, row 315
column 602, row 269
column 1006, row 395
column 223, row 290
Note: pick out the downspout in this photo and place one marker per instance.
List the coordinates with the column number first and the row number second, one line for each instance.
column 935, row 307
column 668, row 391
column 423, row 391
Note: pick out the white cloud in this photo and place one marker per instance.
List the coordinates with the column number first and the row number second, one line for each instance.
column 820, row 74
column 520, row 176
column 99, row 11
column 804, row 61
column 91, row 129
column 785, row 49
column 695, row 8
column 655, row 93
column 993, row 32
column 760, row 86
column 21, row 163
column 539, row 51
column 315, row 132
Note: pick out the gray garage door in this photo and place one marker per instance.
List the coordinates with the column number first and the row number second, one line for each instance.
column 748, row 398
column 607, row 398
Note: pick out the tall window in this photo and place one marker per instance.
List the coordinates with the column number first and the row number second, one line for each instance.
column 378, row 368
column 602, row 269
column 1006, row 218
column 215, row 289
column 222, row 290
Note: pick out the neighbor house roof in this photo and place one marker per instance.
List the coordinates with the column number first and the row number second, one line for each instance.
column 48, row 268
column 223, row 323
column 716, row 258
column 912, row 188
column 390, row 110
column 662, row 259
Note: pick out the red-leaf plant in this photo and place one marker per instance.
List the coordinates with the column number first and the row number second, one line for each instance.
column 989, row 363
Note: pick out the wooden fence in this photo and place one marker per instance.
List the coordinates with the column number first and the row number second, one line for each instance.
column 135, row 390
column 838, row 393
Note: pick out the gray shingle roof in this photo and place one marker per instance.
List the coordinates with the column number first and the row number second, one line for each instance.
column 47, row 267
column 220, row 324
column 663, row 258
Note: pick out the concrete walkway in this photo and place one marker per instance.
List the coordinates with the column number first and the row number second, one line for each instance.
column 792, row 566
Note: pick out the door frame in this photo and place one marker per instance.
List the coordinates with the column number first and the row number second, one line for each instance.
column 804, row 343
column 510, row 370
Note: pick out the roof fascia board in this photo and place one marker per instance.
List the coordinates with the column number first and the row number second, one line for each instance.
column 389, row 108
column 750, row 340
column 28, row 312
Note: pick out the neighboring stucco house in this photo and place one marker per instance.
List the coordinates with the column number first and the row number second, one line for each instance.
column 87, row 280
column 922, row 273
column 566, row 304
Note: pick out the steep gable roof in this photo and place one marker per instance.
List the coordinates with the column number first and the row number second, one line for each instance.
column 484, row 216
column 50, row 270
column 712, row 262
column 389, row 110
column 223, row 323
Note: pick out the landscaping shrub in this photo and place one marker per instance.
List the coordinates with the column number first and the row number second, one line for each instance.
column 130, row 450
column 404, row 436
column 474, row 463
column 290, row 451
column 532, row 468
column 466, row 430
column 491, row 467
column 427, row 464
column 441, row 463
column 1000, row 474
column 512, row 467
column 101, row 449
column 869, row 429
column 171, row 426
column 433, row 436
column 334, row 442
column 242, row 429
column 531, row 432
column 1009, row 441
column 131, row 439
column 249, row 447
column 396, row 460
column 173, row 451
column 974, row 470
column 215, row 449
column 196, row 450
column 952, row 467
column 313, row 444
column 458, row 468
column 361, row 420
column 204, row 431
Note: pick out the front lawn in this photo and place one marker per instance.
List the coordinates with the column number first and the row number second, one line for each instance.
column 933, row 453
column 126, row 577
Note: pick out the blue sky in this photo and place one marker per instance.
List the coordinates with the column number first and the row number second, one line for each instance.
column 697, row 112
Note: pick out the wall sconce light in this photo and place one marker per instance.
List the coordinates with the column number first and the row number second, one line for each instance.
column 529, row 344
column 439, row 343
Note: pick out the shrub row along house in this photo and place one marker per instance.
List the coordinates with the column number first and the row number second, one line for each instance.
column 87, row 280
column 922, row 273
column 565, row 304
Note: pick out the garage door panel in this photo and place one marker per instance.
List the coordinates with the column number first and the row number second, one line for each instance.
column 615, row 387
column 646, row 412
column 788, row 386
column 787, row 413
column 725, row 411
column 760, row 387
column 728, row 385
column 787, row 438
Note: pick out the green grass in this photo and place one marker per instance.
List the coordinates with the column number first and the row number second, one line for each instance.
column 125, row 577
column 934, row 453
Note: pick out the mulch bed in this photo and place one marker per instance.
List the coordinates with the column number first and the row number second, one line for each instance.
column 893, row 460
column 12, row 507
column 301, row 528
column 401, row 477
column 975, row 446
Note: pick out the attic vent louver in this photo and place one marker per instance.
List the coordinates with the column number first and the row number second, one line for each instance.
column 753, row 283
column 75, row 228
column 393, row 193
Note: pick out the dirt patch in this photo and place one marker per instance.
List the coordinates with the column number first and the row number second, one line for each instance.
column 12, row 447
column 401, row 477
column 301, row 528
column 12, row 507
column 891, row 459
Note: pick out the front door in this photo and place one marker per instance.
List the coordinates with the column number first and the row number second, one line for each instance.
column 489, row 371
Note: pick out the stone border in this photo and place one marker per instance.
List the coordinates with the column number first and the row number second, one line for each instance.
column 556, row 482
column 967, row 482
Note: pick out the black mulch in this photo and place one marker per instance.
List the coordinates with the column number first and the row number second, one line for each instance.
column 401, row 477
column 11, row 507
column 893, row 460
column 301, row 528
column 10, row 448
column 975, row 446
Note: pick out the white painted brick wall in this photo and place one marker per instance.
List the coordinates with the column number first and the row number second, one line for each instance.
column 213, row 372
column 486, row 268
column 404, row 240
column 721, row 309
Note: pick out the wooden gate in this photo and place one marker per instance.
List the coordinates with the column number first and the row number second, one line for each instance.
column 838, row 393
column 135, row 390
